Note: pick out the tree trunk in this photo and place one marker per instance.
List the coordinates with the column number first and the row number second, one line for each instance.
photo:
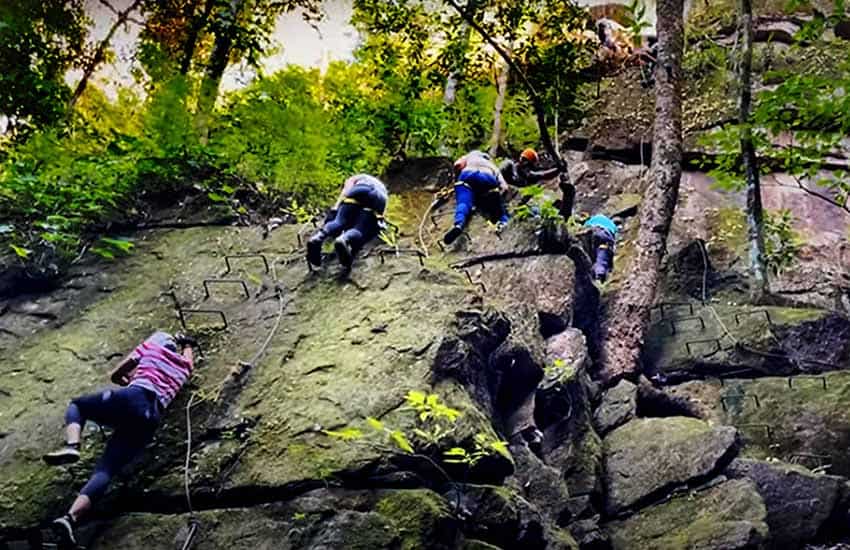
column 755, row 214
column 218, row 61
column 198, row 24
column 628, row 317
column 502, row 94
column 450, row 91
column 100, row 54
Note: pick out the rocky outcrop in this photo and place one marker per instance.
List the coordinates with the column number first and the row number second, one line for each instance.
column 798, row 502
column 730, row 516
column 618, row 406
column 649, row 457
column 799, row 419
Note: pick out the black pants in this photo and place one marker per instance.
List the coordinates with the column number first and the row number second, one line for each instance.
column 134, row 414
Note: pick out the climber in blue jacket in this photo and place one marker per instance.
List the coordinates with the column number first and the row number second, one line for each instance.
column 603, row 238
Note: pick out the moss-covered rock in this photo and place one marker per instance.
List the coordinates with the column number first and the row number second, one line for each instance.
column 803, row 419
column 360, row 520
column 729, row 516
column 648, row 456
column 798, row 502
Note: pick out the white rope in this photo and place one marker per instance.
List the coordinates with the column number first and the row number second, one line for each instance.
column 188, row 454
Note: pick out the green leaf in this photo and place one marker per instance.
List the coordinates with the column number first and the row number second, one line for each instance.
column 349, row 433
column 375, row 424
column 21, row 251
column 401, row 441
column 215, row 197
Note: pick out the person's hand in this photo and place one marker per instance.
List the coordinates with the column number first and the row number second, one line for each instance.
column 561, row 164
column 184, row 340
column 121, row 379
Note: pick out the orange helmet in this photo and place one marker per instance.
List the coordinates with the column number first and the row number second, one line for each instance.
column 530, row 155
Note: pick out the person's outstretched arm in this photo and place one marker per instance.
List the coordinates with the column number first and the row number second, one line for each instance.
column 188, row 354
column 121, row 374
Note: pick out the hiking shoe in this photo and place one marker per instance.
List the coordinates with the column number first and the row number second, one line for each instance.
column 63, row 528
column 68, row 454
column 453, row 234
column 534, row 438
column 343, row 252
column 314, row 250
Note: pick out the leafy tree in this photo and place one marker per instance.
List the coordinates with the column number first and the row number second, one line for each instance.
column 39, row 41
column 796, row 127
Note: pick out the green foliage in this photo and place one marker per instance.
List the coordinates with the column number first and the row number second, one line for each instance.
column 483, row 446
column 39, row 41
column 782, row 242
column 811, row 115
column 433, row 424
column 537, row 206
column 635, row 19
column 559, row 371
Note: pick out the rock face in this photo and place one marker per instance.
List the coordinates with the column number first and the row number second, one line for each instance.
column 649, row 456
column 362, row 520
column 802, row 419
column 798, row 502
column 618, row 406
column 728, row 516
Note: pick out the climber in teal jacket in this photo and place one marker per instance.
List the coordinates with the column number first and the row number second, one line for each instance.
column 603, row 238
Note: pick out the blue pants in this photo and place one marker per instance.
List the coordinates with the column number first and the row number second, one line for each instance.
column 134, row 414
column 353, row 221
column 603, row 251
column 477, row 188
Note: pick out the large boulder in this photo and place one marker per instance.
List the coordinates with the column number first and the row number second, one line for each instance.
column 798, row 502
column 648, row 457
column 617, row 407
column 730, row 516
column 362, row 520
column 498, row 516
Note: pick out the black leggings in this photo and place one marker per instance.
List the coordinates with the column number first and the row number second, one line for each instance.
column 134, row 414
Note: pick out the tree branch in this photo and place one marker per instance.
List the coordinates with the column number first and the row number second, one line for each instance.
column 821, row 196
column 536, row 100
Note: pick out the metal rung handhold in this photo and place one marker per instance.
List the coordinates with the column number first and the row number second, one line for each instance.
column 740, row 396
column 182, row 314
column 663, row 305
column 768, row 430
column 474, row 282
column 795, row 458
column 229, row 257
column 821, row 378
column 764, row 312
column 714, row 341
column 208, row 282
column 409, row 251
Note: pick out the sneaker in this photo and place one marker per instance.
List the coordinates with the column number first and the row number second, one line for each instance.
column 343, row 252
column 63, row 528
column 453, row 234
column 66, row 455
column 314, row 250
column 534, row 438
